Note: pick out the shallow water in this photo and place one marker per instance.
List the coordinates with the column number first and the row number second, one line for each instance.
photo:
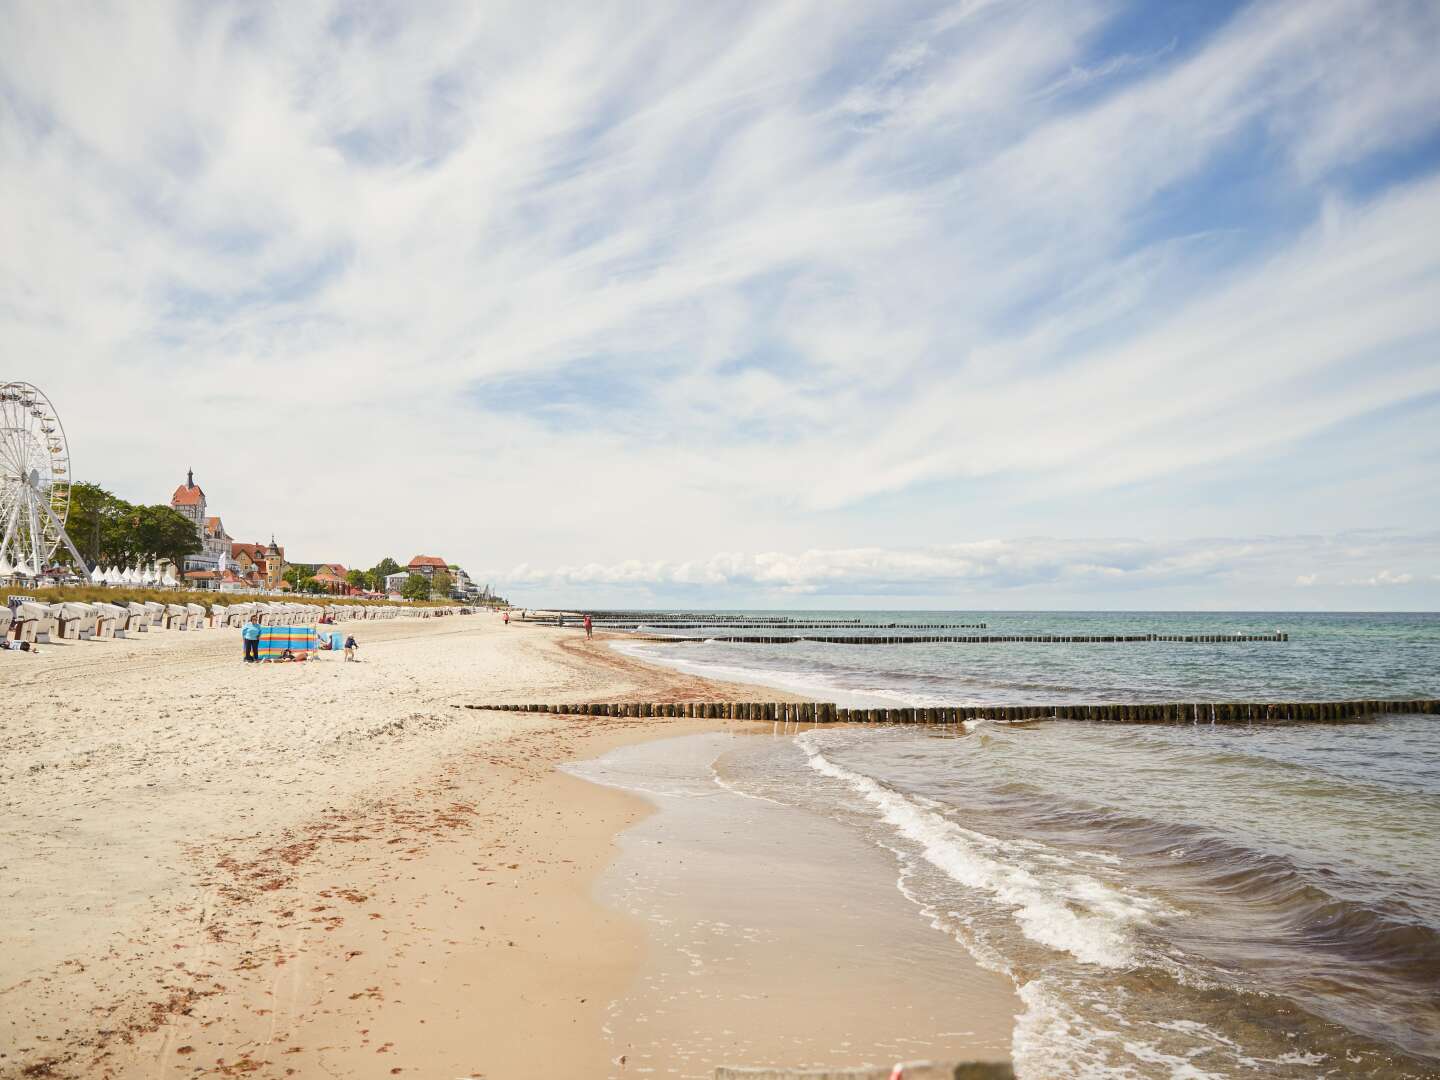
column 1169, row 901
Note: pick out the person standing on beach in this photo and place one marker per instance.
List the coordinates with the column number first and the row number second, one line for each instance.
column 251, row 633
column 589, row 628
column 507, row 618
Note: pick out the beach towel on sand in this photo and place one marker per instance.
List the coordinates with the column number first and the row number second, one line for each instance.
column 274, row 640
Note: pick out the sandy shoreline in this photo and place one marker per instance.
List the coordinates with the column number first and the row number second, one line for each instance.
column 289, row 871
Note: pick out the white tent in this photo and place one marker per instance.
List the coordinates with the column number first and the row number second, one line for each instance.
column 169, row 579
column 97, row 575
column 149, row 576
column 23, row 569
column 112, row 576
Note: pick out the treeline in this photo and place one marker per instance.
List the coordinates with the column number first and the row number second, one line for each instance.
column 301, row 577
column 108, row 531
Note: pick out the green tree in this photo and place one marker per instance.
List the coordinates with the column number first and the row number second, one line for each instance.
column 110, row 531
column 385, row 567
column 440, row 585
column 92, row 522
column 356, row 578
column 162, row 532
column 416, row 588
column 300, row 579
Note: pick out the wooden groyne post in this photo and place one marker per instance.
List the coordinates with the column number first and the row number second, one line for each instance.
column 826, row 712
column 973, row 639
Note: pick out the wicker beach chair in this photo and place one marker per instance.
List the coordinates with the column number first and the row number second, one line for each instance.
column 137, row 618
column 110, row 620
column 70, row 619
column 25, row 622
column 99, row 625
column 46, row 625
column 176, row 617
column 194, row 616
column 6, row 618
column 156, row 611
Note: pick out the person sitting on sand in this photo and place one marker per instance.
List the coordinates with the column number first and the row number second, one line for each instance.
column 350, row 646
column 251, row 634
column 287, row 657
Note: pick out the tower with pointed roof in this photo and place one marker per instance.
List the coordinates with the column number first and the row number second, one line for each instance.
column 189, row 499
column 274, row 564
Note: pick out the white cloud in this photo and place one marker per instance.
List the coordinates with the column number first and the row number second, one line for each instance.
column 812, row 278
column 1016, row 567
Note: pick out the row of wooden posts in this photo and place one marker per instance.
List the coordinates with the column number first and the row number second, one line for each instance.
column 793, row 626
column 696, row 616
column 975, row 639
column 825, row 712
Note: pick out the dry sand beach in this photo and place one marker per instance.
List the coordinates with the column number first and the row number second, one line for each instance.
column 335, row 869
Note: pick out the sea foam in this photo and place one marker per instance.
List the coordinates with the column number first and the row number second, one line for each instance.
column 1068, row 911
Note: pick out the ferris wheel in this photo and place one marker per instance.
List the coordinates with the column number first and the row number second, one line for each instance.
column 34, row 481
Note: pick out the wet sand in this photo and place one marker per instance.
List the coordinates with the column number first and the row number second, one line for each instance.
column 775, row 936
column 211, row 868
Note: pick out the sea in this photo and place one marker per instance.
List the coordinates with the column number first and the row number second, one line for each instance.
column 1190, row 900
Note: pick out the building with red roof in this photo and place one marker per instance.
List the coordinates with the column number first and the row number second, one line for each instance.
column 427, row 565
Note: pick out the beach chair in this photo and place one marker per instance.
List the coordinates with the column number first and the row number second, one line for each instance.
column 110, row 621
column 25, row 621
column 43, row 616
column 90, row 620
column 68, row 621
column 156, row 611
column 118, row 612
column 194, row 617
column 6, row 618
column 50, row 624
column 137, row 618
column 176, row 617
column 219, row 613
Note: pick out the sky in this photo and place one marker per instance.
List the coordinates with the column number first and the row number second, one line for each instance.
column 784, row 304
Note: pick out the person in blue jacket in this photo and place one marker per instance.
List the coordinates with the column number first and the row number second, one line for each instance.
column 251, row 634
